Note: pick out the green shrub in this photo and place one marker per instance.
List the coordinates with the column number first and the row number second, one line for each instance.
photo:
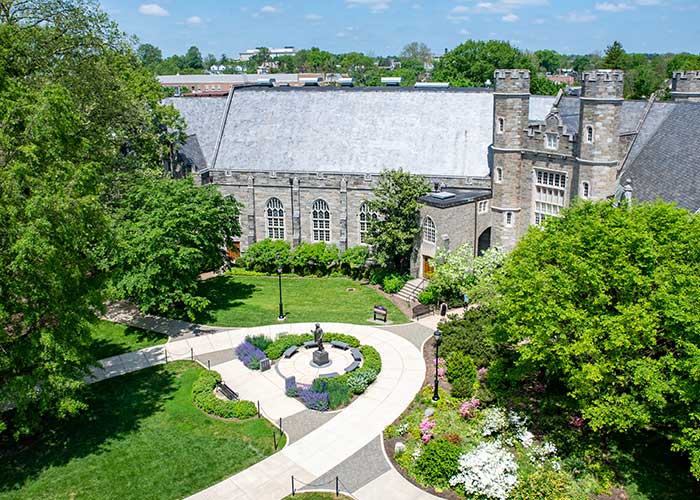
column 542, row 484
column 203, row 398
column 372, row 359
column 460, row 365
column 277, row 348
column 393, row 283
column 358, row 381
column 429, row 295
column 315, row 258
column 338, row 394
column 462, row 389
column 438, row 462
column 259, row 341
column 341, row 337
column 265, row 255
column 377, row 275
column 470, row 335
column 354, row 261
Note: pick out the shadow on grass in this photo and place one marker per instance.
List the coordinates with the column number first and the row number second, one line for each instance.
column 102, row 348
column 224, row 292
column 658, row 473
column 115, row 408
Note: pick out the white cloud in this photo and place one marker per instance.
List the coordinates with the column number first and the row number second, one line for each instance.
column 613, row 7
column 372, row 5
column 464, row 32
column 458, row 14
column 510, row 18
column 194, row 20
column 648, row 2
column 269, row 9
column 313, row 18
column 578, row 17
column 153, row 9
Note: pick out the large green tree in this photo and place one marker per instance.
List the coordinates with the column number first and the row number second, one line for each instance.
column 615, row 56
column 600, row 307
column 395, row 201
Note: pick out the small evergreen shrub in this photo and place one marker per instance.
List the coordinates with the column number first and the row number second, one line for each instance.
column 372, row 360
column 393, row 283
column 260, row 341
column 429, row 296
column 461, row 388
column 541, row 484
column 338, row 393
column 438, row 462
column 460, row 365
column 203, row 397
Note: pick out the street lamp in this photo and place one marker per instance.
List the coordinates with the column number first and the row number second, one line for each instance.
column 281, row 317
column 436, row 336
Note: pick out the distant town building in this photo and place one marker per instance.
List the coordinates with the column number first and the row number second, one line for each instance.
column 220, row 84
column 566, row 79
column 248, row 54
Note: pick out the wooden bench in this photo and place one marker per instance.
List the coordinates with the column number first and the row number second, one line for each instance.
column 310, row 344
column 340, row 345
column 352, row 366
column 421, row 310
column 380, row 312
column 356, row 354
column 291, row 351
column 227, row 391
column 328, row 375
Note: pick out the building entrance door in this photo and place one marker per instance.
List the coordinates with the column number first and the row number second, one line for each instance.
column 427, row 268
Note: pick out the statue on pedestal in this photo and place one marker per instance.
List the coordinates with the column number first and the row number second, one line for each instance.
column 318, row 336
column 320, row 355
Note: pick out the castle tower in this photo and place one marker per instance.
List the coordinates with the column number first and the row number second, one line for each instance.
column 685, row 86
column 511, row 107
column 599, row 146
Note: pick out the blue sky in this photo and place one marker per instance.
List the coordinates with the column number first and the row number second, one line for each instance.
column 382, row 27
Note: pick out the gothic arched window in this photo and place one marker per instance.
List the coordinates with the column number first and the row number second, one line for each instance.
column 429, row 231
column 275, row 219
column 501, row 125
column 366, row 216
column 321, row 221
column 589, row 134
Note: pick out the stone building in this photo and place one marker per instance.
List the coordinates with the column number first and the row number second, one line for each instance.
column 303, row 161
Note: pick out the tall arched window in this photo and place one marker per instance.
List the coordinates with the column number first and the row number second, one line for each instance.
column 589, row 134
column 366, row 216
column 275, row 219
column 586, row 189
column 321, row 221
column 501, row 125
column 429, row 232
column 499, row 174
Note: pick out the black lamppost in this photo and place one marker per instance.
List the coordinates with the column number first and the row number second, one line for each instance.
column 281, row 317
column 436, row 336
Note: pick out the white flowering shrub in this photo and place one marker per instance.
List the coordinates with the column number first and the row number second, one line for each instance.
column 488, row 470
column 495, row 421
column 544, row 453
column 525, row 437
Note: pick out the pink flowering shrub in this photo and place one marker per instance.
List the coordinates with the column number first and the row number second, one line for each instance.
column 468, row 408
column 576, row 421
column 481, row 373
column 441, row 372
column 426, row 427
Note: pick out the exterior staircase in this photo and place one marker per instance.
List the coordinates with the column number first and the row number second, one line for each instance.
column 410, row 290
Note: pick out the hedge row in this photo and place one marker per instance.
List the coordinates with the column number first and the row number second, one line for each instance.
column 277, row 348
column 203, row 398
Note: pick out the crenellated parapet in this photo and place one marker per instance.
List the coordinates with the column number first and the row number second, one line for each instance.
column 512, row 81
column 603, row 83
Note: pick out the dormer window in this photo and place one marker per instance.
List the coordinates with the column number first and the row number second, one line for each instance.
column 589, row 134
column 501, row 125
column 499, row 174
column 551, row 141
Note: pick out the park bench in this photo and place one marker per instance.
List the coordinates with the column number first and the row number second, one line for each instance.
column 379, row 313
column 421, row 310
column 328, row 375
column 356, row 354
column 352, row 366
column 291, row 351
column 310, row 344
column 340, row 345
column 227, row 391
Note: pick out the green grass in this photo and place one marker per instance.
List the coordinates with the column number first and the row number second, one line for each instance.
column 110, row 339
column 140, row 439
column 254, row 301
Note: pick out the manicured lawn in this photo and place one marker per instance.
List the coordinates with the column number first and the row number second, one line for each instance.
column 110, row 339
column 141, row 439
column 254, row 301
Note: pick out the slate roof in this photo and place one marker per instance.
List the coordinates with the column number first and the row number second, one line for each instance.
column 203, row 118
column 631, row 113
column 664, row 161
column 459, row 198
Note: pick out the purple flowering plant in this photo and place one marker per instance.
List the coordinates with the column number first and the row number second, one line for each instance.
column 250, row 355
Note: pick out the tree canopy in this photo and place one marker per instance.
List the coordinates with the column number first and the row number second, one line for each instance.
column 600, row 307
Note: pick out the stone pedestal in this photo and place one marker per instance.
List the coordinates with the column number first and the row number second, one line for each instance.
column 320, row 358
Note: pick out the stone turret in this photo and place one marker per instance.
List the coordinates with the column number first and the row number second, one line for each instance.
column 601, row 102
column 685, row 86
column 511, row 106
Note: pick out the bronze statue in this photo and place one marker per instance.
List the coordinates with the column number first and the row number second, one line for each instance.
column 318, row 336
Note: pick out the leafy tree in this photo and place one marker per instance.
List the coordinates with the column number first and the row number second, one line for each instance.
column 265, row 255
column 150, row 55
column 354, row 260
column 615, row 57
column 581, row 64
column 601, row 308
column 209, row 61
column 168, row 233
column 396, row 204
column 540, row 85
column 193, row 58
column 473, row 62
column 416, row 51
column 550, row 60
column 315, row 258
column 683, row 61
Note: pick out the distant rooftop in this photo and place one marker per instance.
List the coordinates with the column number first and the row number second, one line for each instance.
column 454, row 198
